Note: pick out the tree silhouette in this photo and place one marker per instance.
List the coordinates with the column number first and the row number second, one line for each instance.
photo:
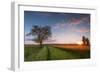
column 40, row 33
column 85, row 40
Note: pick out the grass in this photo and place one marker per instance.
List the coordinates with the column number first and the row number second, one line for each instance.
column 49, row 52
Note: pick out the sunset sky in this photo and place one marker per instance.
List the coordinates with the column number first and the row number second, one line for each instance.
column 67, row 28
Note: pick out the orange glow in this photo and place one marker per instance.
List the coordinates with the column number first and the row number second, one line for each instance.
column 79, row 43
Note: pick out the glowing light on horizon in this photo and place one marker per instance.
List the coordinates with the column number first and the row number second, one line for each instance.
column 79, row 43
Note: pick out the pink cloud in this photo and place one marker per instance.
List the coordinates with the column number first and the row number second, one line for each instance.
column 75, row 21
column 81, row 30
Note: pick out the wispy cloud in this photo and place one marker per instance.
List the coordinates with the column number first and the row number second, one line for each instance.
column 74, row 21
column 71, row 22
column 59, row 25
column 77, row 21
column 81, row 30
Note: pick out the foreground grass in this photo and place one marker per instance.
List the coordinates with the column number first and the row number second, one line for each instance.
column 35, row 53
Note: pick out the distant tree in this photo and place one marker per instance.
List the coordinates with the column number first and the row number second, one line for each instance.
column 83, row 40
column 87, row 41
column 40, row 33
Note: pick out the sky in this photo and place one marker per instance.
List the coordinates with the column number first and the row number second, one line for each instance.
column 66, row 28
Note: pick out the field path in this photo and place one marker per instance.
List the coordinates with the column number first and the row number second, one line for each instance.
column 54, row 53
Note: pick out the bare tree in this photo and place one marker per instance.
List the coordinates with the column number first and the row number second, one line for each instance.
column 40, row 33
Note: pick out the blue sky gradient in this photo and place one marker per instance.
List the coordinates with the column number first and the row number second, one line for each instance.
column 67, row 28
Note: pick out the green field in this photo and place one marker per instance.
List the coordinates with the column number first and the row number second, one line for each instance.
column 49, row 52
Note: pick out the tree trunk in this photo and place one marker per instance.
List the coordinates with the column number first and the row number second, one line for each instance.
column 41, row 44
